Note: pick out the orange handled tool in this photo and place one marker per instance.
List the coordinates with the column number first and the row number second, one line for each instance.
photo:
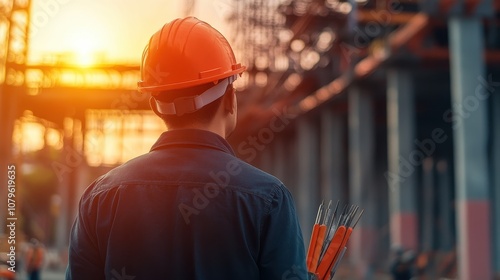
column 331, row 252
column 344, row 242
column 329, row 238
column 334, row 267
column 317, row 249
column 342, row 245
column 336, row 258
column 312, row 243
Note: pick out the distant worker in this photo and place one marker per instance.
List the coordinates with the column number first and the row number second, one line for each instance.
column 34, row 259
column 6, row 272
column 188, row 209
column 402, row 264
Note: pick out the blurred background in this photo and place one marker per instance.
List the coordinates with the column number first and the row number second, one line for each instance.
column 392, row 105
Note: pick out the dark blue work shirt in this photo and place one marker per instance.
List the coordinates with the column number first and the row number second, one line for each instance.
column 188, row 209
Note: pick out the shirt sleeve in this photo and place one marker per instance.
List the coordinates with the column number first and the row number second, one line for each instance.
column 84, row 258
column 282, row 246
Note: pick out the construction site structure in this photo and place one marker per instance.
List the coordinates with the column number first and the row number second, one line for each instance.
column 392, row 105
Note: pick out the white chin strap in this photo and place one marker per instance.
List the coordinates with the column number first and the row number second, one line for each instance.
column 189, row 104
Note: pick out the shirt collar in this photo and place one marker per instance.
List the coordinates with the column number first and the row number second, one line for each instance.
column 192, row 137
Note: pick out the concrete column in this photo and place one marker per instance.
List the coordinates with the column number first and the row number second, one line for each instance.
column 495, row 129
column 280, row 158
column 362, row 189
column 446, row 227
column 291, row 163
column 308, row 182
column 332, row 156
column 63, row 219
column 402, row 159
column 471, row 148
column 67, row 169
column 428, row 209
column 8, row 114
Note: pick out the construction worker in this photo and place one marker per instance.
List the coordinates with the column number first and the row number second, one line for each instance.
column 34, row 259
column 402, row 264
column 188, row 209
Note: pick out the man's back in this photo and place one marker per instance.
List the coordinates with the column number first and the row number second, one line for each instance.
column 189, row 209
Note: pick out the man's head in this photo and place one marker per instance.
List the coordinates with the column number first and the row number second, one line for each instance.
column 189, row 67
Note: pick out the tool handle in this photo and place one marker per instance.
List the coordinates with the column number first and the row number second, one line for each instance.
column 331, row 252
column 344, row 242
column 312, row 243
column 338, row 256
column 318, row 246
column 336, row 265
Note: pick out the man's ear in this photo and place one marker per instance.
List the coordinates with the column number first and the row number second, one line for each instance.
column 152, row 104
column 229, row 100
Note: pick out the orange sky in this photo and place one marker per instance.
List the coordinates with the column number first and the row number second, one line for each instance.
column 117, row 29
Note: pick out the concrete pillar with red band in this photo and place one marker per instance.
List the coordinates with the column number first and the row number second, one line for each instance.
column 496, row 175
column 403, row 159
column 362, row 187
column 307, row 193
column 471, row 132
column 333, row 156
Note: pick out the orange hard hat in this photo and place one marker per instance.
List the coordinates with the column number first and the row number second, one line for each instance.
column 186, row 53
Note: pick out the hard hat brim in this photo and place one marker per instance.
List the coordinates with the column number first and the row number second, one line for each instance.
column 182, row 85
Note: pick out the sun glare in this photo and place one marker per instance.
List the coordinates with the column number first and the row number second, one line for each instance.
column 85, row 58
column 85, row 47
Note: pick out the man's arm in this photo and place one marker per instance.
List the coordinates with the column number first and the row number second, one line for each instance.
column 282, row 249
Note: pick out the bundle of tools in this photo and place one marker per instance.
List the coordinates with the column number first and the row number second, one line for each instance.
column 328, row 240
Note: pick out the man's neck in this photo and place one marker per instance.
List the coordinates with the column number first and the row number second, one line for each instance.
column 217, row 129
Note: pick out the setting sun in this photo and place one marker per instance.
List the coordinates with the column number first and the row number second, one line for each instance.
column 85, row 58
column 87, row 32
column 85, row 44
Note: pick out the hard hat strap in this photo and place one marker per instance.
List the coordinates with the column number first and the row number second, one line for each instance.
column 189, row 104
